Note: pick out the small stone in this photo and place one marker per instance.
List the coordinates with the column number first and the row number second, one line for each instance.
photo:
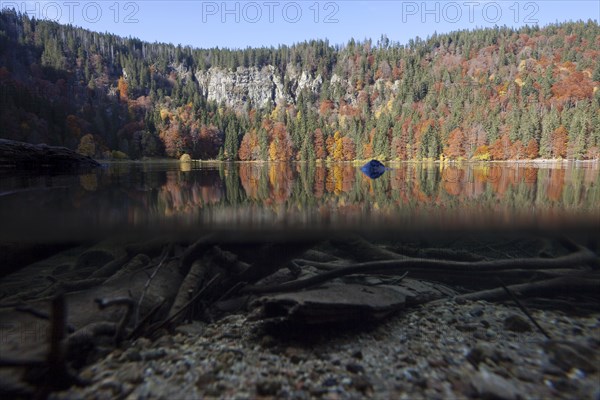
column 268, row 387
column 115, row 386
column 205, row 380
column 362, row 384
column 330, row 382
column 567, row 355
column 526, row 374
column 193, row 329
column 142, row 343
column 163, row 341
column 516, row 323
column 467, row 327
column 438, row 363
column 131, row 355
column 295, row 354
column 551, row 369
column 476, row 311
column 485, row 351
column 491, row 386
column 357, row 354
column 154, row 354
column 131, row 373
column 354, row 368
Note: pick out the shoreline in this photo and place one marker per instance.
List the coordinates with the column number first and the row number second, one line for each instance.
column 543, row 161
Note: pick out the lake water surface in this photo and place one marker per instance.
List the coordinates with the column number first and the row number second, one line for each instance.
column 162, row 196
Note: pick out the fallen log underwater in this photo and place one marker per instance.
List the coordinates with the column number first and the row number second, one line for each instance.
column 149, row 288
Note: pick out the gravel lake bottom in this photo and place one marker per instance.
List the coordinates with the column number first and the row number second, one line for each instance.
column 446, row 350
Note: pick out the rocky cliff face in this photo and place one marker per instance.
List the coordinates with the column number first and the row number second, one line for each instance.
column 258, row 86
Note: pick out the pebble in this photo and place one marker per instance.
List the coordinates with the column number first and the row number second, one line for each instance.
column 355, row 368
column 361, row 383
column 405, row 357
column 516, row 323
column 268, row 387
column 492, row 386
column 154, row 354
column 131, row 355
column 570, row 355
column 130, row 372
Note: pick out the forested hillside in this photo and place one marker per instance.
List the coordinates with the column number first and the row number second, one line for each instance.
column 488, row 94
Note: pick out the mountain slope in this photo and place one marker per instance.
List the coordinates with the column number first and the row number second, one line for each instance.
column 484, row 94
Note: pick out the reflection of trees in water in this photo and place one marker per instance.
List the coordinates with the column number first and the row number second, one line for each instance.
column 186, row 192
column 339, row 189
column 555, row 183
column 281, row 179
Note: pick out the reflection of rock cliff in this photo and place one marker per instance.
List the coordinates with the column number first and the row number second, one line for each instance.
column 259, row 86
column 25, row 155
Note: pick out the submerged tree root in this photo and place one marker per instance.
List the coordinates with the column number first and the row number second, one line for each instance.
column 435, row 268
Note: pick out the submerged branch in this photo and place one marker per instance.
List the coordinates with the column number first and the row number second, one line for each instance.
column 581, row 257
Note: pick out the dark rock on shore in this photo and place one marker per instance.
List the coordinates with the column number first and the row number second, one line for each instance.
column 33, row 156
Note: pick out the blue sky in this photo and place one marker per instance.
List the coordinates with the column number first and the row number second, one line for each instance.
column 239, row 24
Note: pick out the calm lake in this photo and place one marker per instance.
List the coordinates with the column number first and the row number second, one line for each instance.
column 163, row 196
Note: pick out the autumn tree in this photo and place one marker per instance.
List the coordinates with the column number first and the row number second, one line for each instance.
column 559, row 142
column 280, row 148
column 319, row 145
column 122, row 87
column 87, row 146
column 532, row 150
column 455, row 147
column 249, row 148
column 501, row 148
column 338, row 147
column 348, row 149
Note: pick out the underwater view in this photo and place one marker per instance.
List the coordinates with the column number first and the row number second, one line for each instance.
column 330, row 200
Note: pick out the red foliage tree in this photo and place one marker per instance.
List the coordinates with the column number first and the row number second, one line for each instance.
column 326, row 107
column 575, row 86
column 172, row 140
column 319, row 143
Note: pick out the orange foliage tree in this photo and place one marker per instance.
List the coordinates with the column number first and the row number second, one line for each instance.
column 348, row 149
column 455, row 148
column 330, row 145
column 517, row 150
column 559, row 142
column 532, row 150
column 500, row 149
column 319, row 143
column 280, row 148
column 122, row 86
column 249, row 147
column 575, row 86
